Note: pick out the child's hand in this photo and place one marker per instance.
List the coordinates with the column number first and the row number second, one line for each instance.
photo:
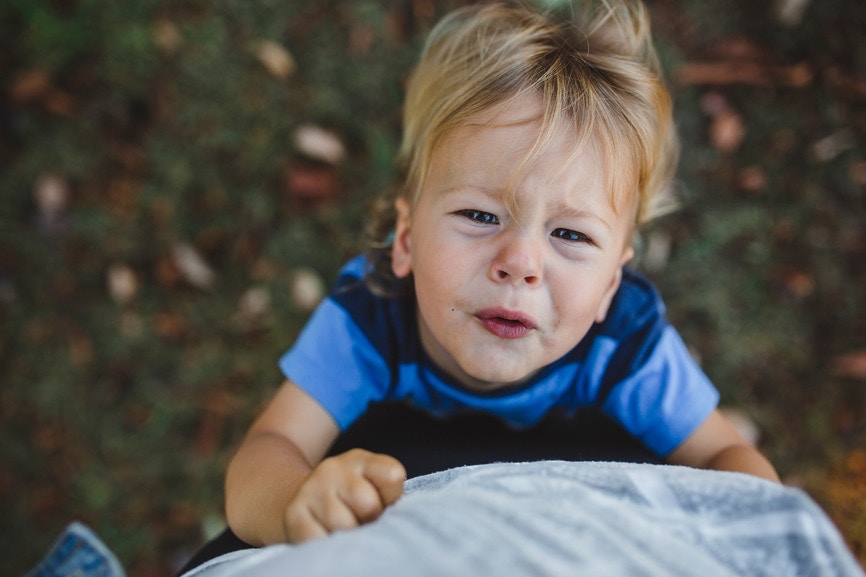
column 343, row 492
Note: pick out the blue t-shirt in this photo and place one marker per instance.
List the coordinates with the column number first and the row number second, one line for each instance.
column 360, row 348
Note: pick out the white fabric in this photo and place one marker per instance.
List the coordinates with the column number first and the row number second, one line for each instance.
column 553, row 518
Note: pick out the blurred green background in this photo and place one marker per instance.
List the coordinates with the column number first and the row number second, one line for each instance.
column 180, row 179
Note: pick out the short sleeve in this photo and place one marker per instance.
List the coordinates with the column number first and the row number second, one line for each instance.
column 649, row 382
column 334, row 362
column 665, row 398
column 339, row 358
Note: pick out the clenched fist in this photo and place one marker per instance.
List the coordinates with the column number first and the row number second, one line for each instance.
column 343, row 492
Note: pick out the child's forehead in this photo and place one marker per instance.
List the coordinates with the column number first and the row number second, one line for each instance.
column 520, row 123
column 513, row 127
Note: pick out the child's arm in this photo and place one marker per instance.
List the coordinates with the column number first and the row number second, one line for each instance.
column 278, row 489
column 717, row 445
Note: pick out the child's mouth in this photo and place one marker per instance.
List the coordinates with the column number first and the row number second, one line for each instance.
column 506, row 324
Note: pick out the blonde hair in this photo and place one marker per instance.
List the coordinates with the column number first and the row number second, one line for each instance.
column 594, row 69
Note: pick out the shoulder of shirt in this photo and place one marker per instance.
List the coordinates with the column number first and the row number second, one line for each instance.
column 351, row 286
column 385, row 320
column 636, row 304
column 356, row 268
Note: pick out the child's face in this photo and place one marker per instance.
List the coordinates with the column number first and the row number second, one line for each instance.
column 502, row 295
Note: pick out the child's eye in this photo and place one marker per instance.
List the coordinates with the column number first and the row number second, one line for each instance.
column 479, row 216
column 570, row 235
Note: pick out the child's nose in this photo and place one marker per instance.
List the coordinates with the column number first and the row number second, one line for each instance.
column 518, row 260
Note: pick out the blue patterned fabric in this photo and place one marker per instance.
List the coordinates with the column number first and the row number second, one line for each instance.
column 78, row 552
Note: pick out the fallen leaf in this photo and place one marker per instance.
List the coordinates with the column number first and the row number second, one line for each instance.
column 851, row 84
column 255, row 302
column 831, row 146
column 317, row 143
column 121, row 197
column 166, row 36
column 122, row 284
column 856, row 462
column 727, row 131
column 743, row 72
column 52, row 195
column 170, row 326
column 798, row 285
column 30, row 85
column 253, row 308
column 841, row 489
column 193, row 267
column 790, row 12
column 307, row 289
column 850, row 365
column 217, row 407
column 311, row 182
column 59, row 103
column 753, row 179
column 276, row 59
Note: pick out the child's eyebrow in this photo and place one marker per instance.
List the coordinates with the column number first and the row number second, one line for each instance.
column 568, row 212
column 493, row 193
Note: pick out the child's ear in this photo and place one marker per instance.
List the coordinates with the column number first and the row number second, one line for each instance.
column 604, row 306
column 401, row 254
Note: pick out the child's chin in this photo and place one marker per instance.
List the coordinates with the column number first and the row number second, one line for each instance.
column 486, row 381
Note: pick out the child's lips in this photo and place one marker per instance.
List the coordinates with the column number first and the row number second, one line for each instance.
column 505, row 323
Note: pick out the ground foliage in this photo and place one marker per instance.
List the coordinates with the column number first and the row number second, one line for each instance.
column 164, row 225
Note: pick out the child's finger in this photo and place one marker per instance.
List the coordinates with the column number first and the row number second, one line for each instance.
column 363, row 498
column 301, row 524
column 337, row 514
column 387, row 475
